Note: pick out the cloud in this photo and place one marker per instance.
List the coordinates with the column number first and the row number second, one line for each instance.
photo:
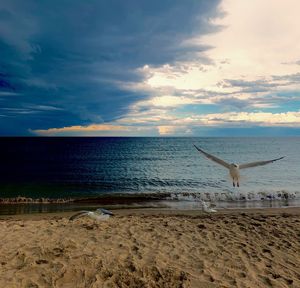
column 107, row 129
column 244, row 77
column 44, row 108
column 7, row 93
column 180, row 126
column 229, row 63
column 253, row 118
column 79, row 57
column 247, row 52
column 76, row 129
column 165, row 130
column 173, row 130
column 166, row 101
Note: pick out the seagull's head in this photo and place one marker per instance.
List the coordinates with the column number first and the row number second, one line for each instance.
column 234, row 165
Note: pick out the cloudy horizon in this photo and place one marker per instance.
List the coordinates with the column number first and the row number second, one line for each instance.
column 135, row 68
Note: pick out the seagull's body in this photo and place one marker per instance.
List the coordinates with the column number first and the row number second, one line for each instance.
column 234, row 169
column 99, row 214
column 234, row 172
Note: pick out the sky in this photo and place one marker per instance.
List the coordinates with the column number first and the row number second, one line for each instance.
column 149, row 68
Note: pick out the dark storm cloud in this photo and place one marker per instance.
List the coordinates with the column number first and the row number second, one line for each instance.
column 69, row 55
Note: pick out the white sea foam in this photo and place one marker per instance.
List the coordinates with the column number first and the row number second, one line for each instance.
column 227, row 196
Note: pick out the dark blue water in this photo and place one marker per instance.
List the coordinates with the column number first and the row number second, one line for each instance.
column 84, row 167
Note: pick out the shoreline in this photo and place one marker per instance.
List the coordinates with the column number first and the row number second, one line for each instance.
column 19, row 209
column 183, row 201
column 145, row 211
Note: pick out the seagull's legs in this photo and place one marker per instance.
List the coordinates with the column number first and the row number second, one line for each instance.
column 235, row 182
column 234, row 174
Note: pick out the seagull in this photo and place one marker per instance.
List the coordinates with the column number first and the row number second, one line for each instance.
column 206, row 207
column 99, row 214
column 234, row 169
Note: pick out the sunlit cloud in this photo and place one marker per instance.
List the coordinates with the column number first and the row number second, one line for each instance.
column 80, row 129
column 109, row 129
column 183, row 126
column 258, row 36
column 165, row 130
column 253, row 59
column 175, row 129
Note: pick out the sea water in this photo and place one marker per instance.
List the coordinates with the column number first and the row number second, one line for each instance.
column 92, row 166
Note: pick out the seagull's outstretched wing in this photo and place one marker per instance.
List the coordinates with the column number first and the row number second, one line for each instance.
column 258, row 163
column 213, row 158
column 79, row 214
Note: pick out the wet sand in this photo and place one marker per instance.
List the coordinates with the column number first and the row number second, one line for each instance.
column 153, row 248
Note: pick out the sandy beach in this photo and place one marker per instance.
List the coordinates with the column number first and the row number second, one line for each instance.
column 153, row 248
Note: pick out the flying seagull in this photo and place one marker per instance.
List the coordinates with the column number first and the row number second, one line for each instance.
column 234, row 169
column 99, row 214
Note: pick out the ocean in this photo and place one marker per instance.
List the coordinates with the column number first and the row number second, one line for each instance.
column 169, row 168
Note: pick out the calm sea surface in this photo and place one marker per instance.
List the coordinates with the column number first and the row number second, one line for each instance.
column 88, row 167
